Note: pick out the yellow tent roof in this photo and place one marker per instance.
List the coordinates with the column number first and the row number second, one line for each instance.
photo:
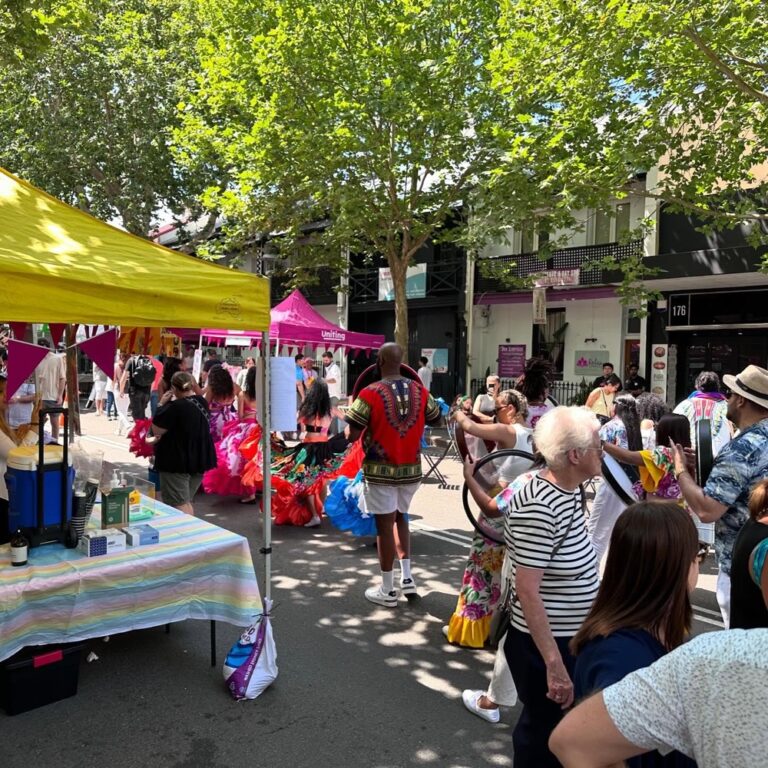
column 60, row 265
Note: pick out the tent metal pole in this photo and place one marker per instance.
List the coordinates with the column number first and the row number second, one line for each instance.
column 266, row 495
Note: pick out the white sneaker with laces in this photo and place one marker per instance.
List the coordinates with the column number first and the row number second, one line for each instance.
column 380, row 597
column 408, row 587
column 471, row 699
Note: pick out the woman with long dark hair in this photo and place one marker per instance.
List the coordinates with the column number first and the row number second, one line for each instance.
column 240, row 441
column 643, row 607
column 220, row 394
column 622, row 430
column 300, row 478
column 657, row 466
column 534, row 386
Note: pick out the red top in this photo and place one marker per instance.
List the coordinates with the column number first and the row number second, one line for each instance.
column 393, row 413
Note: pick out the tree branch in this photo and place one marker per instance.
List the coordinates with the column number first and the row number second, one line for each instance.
column 692, row 34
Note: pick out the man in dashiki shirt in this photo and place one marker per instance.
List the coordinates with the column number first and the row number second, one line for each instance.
column 392, row 412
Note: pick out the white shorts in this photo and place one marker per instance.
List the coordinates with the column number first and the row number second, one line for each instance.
column 99, row 389
column 384, row 499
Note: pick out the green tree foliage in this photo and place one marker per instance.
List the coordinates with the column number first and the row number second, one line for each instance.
column 376, row 117
column 620, row 86
column 90, row 117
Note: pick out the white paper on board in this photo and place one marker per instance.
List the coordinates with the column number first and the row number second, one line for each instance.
column 197, row 364
column 282, row 394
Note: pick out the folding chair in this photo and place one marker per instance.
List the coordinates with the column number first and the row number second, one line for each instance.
column 434, row 453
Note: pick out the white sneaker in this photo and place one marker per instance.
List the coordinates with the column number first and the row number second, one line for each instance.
column 408, row 587
column 471, row 698
column 380, row 597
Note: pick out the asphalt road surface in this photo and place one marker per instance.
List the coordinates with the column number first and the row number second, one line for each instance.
column 359, row 685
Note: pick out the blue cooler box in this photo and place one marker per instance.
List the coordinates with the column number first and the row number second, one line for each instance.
column 21, row 479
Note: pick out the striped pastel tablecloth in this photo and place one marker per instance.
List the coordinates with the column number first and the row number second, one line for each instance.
column 197, row 571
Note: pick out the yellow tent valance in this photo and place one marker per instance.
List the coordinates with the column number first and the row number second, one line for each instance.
column 61, row 265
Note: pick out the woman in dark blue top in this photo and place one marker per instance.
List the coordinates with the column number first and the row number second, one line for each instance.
column 643, row 608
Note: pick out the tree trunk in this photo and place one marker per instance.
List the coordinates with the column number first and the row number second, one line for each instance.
column 398, row 270
column 73, row 385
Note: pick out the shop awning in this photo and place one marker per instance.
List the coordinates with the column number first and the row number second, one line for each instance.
column 60, row 265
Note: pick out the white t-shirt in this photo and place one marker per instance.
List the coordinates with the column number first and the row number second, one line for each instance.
column 425, row 374
column 707, row 699
column 333, row 372
column 535, row 523
column 49, row 372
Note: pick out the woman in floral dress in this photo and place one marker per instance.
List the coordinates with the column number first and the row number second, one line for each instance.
column 470, row 624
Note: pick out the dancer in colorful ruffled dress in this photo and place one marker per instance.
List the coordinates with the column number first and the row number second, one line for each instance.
column 299, row 476
column 220, row 394
column 227, row 478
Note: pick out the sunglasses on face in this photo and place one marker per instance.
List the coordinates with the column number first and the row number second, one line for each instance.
column 727, row 393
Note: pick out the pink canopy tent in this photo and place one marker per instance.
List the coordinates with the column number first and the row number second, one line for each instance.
column 294, row 322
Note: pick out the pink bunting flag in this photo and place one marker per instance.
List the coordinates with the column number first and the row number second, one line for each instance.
column 19, row 329
column 101, row 349
column 23, row 358
column 57, row 331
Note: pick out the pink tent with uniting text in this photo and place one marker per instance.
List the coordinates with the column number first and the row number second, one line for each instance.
column 294, row 322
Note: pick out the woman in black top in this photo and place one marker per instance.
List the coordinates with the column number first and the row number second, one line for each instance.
column 184, row 450
column 748, row 610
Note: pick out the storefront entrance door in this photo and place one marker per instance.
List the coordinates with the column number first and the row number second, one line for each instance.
column 726, row 353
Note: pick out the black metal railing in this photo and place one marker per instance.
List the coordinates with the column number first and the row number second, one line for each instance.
column 444, row 277
column 564, row 392
column 526, row 264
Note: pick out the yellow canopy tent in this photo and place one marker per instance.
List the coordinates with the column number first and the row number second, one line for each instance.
column 60, row 265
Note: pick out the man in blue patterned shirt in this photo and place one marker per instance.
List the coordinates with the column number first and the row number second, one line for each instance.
column 738, row 466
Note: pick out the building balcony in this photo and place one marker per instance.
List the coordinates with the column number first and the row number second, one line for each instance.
column 444, row 278
column 584, row 258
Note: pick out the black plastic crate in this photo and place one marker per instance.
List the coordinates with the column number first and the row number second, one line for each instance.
column 39, row 675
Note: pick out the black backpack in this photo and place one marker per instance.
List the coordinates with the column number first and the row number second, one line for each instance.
column 142, row 372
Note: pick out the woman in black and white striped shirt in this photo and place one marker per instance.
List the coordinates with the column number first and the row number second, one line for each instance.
column 554, row 575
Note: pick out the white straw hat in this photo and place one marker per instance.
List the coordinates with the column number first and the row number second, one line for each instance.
column 751, row 384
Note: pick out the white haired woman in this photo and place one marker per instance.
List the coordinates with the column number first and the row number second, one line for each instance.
column 553, row 575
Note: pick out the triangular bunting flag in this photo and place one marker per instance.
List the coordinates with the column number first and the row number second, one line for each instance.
column 19, row 329
column 23, row 358
column 57, row 331
column 101, row 349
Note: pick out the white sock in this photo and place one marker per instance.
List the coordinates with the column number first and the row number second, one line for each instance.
column 387, row 581
column 405, row 568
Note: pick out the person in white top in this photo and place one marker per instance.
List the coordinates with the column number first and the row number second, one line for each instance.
column 425, row 373
column 21, row 404
column 332, row 375
column 50, row 382
column 706, row 699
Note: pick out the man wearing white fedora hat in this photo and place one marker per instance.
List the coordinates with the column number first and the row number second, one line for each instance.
column 738, row 466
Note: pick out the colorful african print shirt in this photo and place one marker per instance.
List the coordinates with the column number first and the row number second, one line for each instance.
column 707, row 405
column 738, row 466
column 393, row 413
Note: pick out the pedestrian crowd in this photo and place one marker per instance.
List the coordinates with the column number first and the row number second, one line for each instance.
column 590, row 609
column 604, row 665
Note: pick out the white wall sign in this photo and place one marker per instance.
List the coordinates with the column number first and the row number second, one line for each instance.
column 415, row 283
column 557, row 277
